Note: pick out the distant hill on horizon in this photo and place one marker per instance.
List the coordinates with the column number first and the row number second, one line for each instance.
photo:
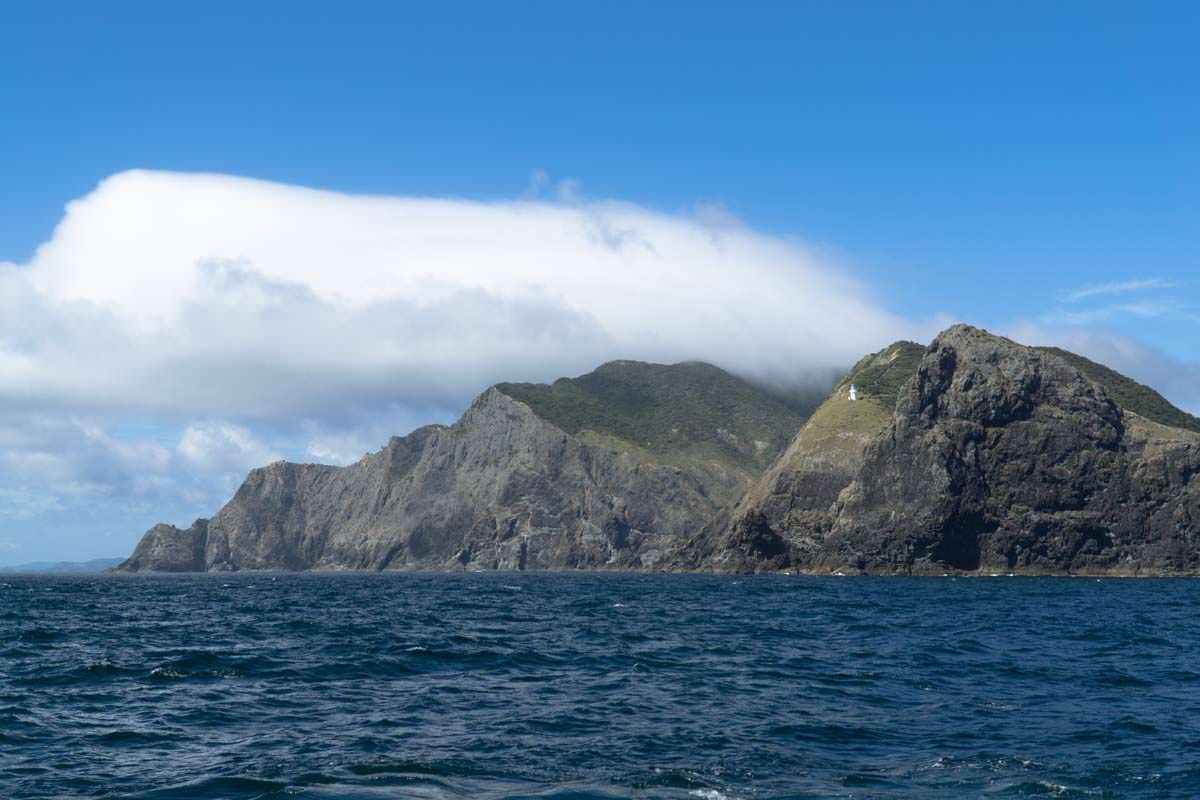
column 42, row 567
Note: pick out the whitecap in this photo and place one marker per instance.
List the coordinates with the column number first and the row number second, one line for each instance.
column 709, row 794
column 167, row 672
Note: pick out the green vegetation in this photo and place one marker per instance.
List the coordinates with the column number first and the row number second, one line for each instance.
column 838, row 430
column 880, row 375
column 696, row 414
column 683, row 414
column 1128, row 393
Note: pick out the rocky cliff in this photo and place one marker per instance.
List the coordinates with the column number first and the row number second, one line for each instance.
column 786, row 514
column 975, row 454
column 506, row 487
column 997, row 458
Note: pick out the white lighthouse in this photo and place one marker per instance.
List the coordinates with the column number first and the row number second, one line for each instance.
column 853, row 392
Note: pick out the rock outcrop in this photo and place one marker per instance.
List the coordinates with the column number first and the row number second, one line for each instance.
column 1003, row 458
column 974, row 455
column 503, row 488
column 998, row 458
column 785, row 517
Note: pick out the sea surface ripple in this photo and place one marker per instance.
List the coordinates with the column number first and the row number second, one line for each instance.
column 561, row 686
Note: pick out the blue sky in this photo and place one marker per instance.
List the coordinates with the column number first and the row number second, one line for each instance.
column 1028, row 169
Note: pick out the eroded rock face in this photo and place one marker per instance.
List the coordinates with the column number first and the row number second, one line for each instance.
column 500, row 489
column 989, row 456
column 1003, row 458
column 784, row 518
column 997, row 458
column 165, row 548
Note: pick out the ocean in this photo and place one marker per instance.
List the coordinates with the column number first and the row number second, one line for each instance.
column 561, row 686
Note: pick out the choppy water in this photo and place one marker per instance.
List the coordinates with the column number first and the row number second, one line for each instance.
column 597, row 686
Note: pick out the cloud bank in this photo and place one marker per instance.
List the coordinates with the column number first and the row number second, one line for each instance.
column 178, row 329
column 217, row 296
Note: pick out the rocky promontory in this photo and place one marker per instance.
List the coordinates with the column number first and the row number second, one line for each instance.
column 654, row 454
column 997, row 458
column 972, row 455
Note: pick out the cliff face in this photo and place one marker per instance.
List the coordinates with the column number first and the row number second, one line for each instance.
column 998, row 458
column 974, row 454
column 784, row 518
column 165, row 548
column 500, row 489
column 1004, row 458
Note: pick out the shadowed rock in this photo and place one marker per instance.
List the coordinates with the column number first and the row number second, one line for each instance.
column 998, row 458
column 975, row 454
column 1006, row 458
column 504, row 488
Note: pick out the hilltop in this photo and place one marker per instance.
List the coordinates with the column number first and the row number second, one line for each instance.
column 974, row 453
column 1128, row 393
column 996, row 456
column 613, row 469
column 685, row 414
column 794, row 495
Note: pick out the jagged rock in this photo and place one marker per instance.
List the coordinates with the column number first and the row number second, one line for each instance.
column 999, row 458
column 165, row 548
column 784, row 518
column 501, row 489
column 975, row 454
column 1005, row 458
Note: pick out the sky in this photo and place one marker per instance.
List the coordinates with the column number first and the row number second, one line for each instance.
column 235, row 232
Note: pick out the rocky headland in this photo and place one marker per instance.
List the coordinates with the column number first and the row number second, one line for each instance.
column 972, row 455
column 613, row 470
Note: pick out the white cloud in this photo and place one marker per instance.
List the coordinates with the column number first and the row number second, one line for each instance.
column 221, row 447
column 569, row 189
column 212, row 296
column 348, row 438
column 69, row 456
column 1091, row 316
column 220, row 309
column 1118, row 287
column 24, row 502
column 539, row 179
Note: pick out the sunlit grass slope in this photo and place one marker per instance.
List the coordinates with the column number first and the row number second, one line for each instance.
column 687, row 414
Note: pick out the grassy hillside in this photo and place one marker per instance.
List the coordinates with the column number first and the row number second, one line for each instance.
column 880, row 375
column 1130, row 394
column 682, row 414
column 839, row 428
column 695, row 413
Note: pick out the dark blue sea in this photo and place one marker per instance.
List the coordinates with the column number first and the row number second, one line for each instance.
column 597, row 686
